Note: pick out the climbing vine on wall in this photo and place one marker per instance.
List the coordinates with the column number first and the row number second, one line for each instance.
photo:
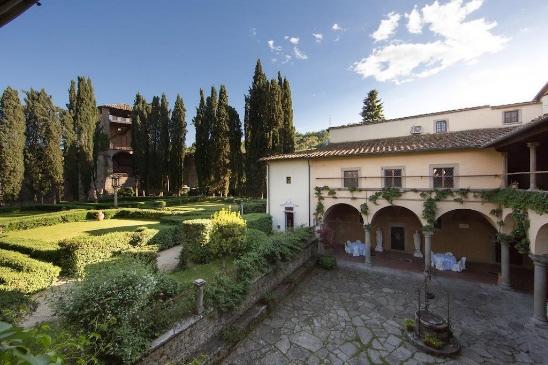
column 388, row 194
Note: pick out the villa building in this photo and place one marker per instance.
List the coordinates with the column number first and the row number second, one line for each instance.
column 345, row 188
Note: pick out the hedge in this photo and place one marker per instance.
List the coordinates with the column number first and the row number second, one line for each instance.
column 23, row 273
column 255, row 207
column 167, row 237
column 195, row 236
column 260, row 221
column 44, row 220
column 40, row 250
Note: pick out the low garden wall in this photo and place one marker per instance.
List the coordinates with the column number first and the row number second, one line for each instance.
column 189, row 336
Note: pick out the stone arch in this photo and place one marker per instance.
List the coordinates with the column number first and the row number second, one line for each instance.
column 541, row 241
column 394, row 227
column 483, row 210
column 345, row 222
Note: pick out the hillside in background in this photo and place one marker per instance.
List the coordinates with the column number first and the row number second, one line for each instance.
column 305, row 141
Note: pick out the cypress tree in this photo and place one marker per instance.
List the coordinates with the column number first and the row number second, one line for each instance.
column 12, row 145
column 275, row 118
column 70, row 155
column 221, row 144
column 177, row 134
column 85, row 122
column 288, row 129
column 372, row 110
column 202, row 141
column 154, row 150
column 210, row 120
column 236, row 157
column 139, row 139
column 43, row 157
column 164, row 145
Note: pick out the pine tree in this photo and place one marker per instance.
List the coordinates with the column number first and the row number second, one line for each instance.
column 202, row 141
column 221, row 145
column 288, row 129
column 177, row 134
column 12, row 145
column 372, row 110
column 164, row 146
column 236, row 157
column 85, row 122
column 43, row 157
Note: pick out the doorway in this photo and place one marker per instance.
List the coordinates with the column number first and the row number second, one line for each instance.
column 397, row 238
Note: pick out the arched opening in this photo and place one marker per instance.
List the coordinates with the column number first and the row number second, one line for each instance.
column 466, row 233
column 516, row 258
column 541, row 241
column 122, row 163
column 345, row 222
column 394, row 227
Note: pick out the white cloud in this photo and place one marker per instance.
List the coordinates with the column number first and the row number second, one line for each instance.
column 458, row 41
column 336, row 28
column 414, row 21
column 318, row 37
column 387, row 27
column 299, row 54
column 293, row 40
column 273, row 47
column 286, row 58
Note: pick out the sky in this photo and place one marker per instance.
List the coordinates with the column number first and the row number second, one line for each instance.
column 422, row 56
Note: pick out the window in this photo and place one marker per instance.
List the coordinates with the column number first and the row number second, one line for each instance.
column 288, row 180
column 393, row 178
column 350, row 178
column 440, row 126
column 511, row 116
column 443, row 177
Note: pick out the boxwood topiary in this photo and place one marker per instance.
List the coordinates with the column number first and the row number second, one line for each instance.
column 195, row 233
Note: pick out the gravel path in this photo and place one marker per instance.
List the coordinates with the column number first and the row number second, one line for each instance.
column 169, row 259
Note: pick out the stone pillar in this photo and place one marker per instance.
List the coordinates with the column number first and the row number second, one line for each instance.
column 532, row 165
column 115, row 197
column 427, row 250
column 199, row 304
column 539, row 295
column 504, row 179
column 367, row 230
column 504, row 265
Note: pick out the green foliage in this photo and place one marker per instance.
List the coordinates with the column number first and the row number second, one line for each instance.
column 310, row 140
column 372, row 110
column 287, row 133
column 160, row 204
column 255, row 238
column 236, row 155
column 521, row 199
column 40, row 250
column 23, row 273
column 388, row 194
column 260, row 221
column 364, row 208
column 12, row 144
column 431, row 198
column 201, row 156
column 257, row 206
column 126, row 193
column 227, row 235
column 409, row 325
column 433, row 341
column 327, row 262
column 195, row 233
column 14, row 305
column 221, row 145
column 139, row 139
column 177, row 136
column 42, row 220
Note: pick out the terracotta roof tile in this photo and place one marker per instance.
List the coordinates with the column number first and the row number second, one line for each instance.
column 469, row 139
column 117, row 106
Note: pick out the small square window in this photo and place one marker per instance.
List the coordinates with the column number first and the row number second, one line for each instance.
column 288, row 180
column 350, row 179
column 443, row 177
column 392, row 178
column 441, row 126
column 511, row 116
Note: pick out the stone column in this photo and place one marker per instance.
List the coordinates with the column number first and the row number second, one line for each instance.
column 539, row 295
column 427, row 250
column 532, row 165
column 504, row 265
column 199, row 304
column 367, row 230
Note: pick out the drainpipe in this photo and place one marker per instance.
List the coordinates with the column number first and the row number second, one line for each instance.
column 268, row 188
column 309, row 219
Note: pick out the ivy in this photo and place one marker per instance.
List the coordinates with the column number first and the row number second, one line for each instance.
column 431, row 198
column 364, row 208
column 388, row 194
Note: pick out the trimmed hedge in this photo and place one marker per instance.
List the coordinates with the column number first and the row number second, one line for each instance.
column 44, row 220
column 14, row 305
column 260, row 221
column 195, row 237
column 23, row 273
column 167, row 237
column 40, row 250
column 227, row 235
column 255, row 207
column 255, row 238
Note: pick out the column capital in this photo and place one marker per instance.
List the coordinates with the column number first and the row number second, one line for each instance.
column 533, row 145
column 427, row 233
column 367, row 227
column 541, row 260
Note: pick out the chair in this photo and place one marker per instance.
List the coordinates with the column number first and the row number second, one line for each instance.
column 460, row 265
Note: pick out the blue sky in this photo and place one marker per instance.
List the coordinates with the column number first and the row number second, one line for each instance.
column 423, row 56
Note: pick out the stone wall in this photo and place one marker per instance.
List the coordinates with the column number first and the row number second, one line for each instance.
column 189, row 336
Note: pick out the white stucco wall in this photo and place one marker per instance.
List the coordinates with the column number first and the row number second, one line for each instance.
column 487, row 117
column 281, row 194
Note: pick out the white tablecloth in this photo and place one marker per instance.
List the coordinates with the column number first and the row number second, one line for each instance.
column 356, row 248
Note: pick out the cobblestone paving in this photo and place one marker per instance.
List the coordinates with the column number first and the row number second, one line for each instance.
column 354, row 316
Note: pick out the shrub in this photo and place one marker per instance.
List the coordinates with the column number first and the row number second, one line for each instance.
column 433, row 342
column 148, row 255
column 260, row 221
column 255, row 207
column 167, row 237
column 227, row 235
column 30, row 346
column 111, row 302
column 126, row 193
column 255, row 238
column 22, row 273
column 195, row 233
column 40, row 250
column 141, row 236
column 409, row 325
column 42, row 220
column 160, row 204
column 327, row 262
column 14, row 305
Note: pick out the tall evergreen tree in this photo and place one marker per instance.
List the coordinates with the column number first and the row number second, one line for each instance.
column 288, row 129
column 275, row 118
column 164, row 145
column 177, row 135
column 140, row 140
column 221, row 145
column 210, row 120
column 202, row 143
column 85, row 122
column 12, row 145
column 43, row 157
column 70, row 155
column 372, row 110
column 154, row 152
column 236, row 156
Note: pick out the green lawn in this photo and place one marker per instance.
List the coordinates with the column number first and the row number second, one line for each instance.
column 203, row 271
column 68, row 230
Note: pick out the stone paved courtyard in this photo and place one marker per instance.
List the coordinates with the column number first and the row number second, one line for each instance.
column 355, row 315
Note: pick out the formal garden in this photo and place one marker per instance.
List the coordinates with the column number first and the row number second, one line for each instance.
column 118, row 300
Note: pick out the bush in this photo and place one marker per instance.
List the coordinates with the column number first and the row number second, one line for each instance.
column 42, row 220
column 167, row 237
column 111, row 302
column 433, row 342
column 254, row 239
column 195, row 233
column 409, row 324
column 255, row 207
column 227, row 235
column 260, row 221
column 160, row 204
column 14, row 305
column 327, row 262
column 125, row 193
column 40, row 250
column 22, row 273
